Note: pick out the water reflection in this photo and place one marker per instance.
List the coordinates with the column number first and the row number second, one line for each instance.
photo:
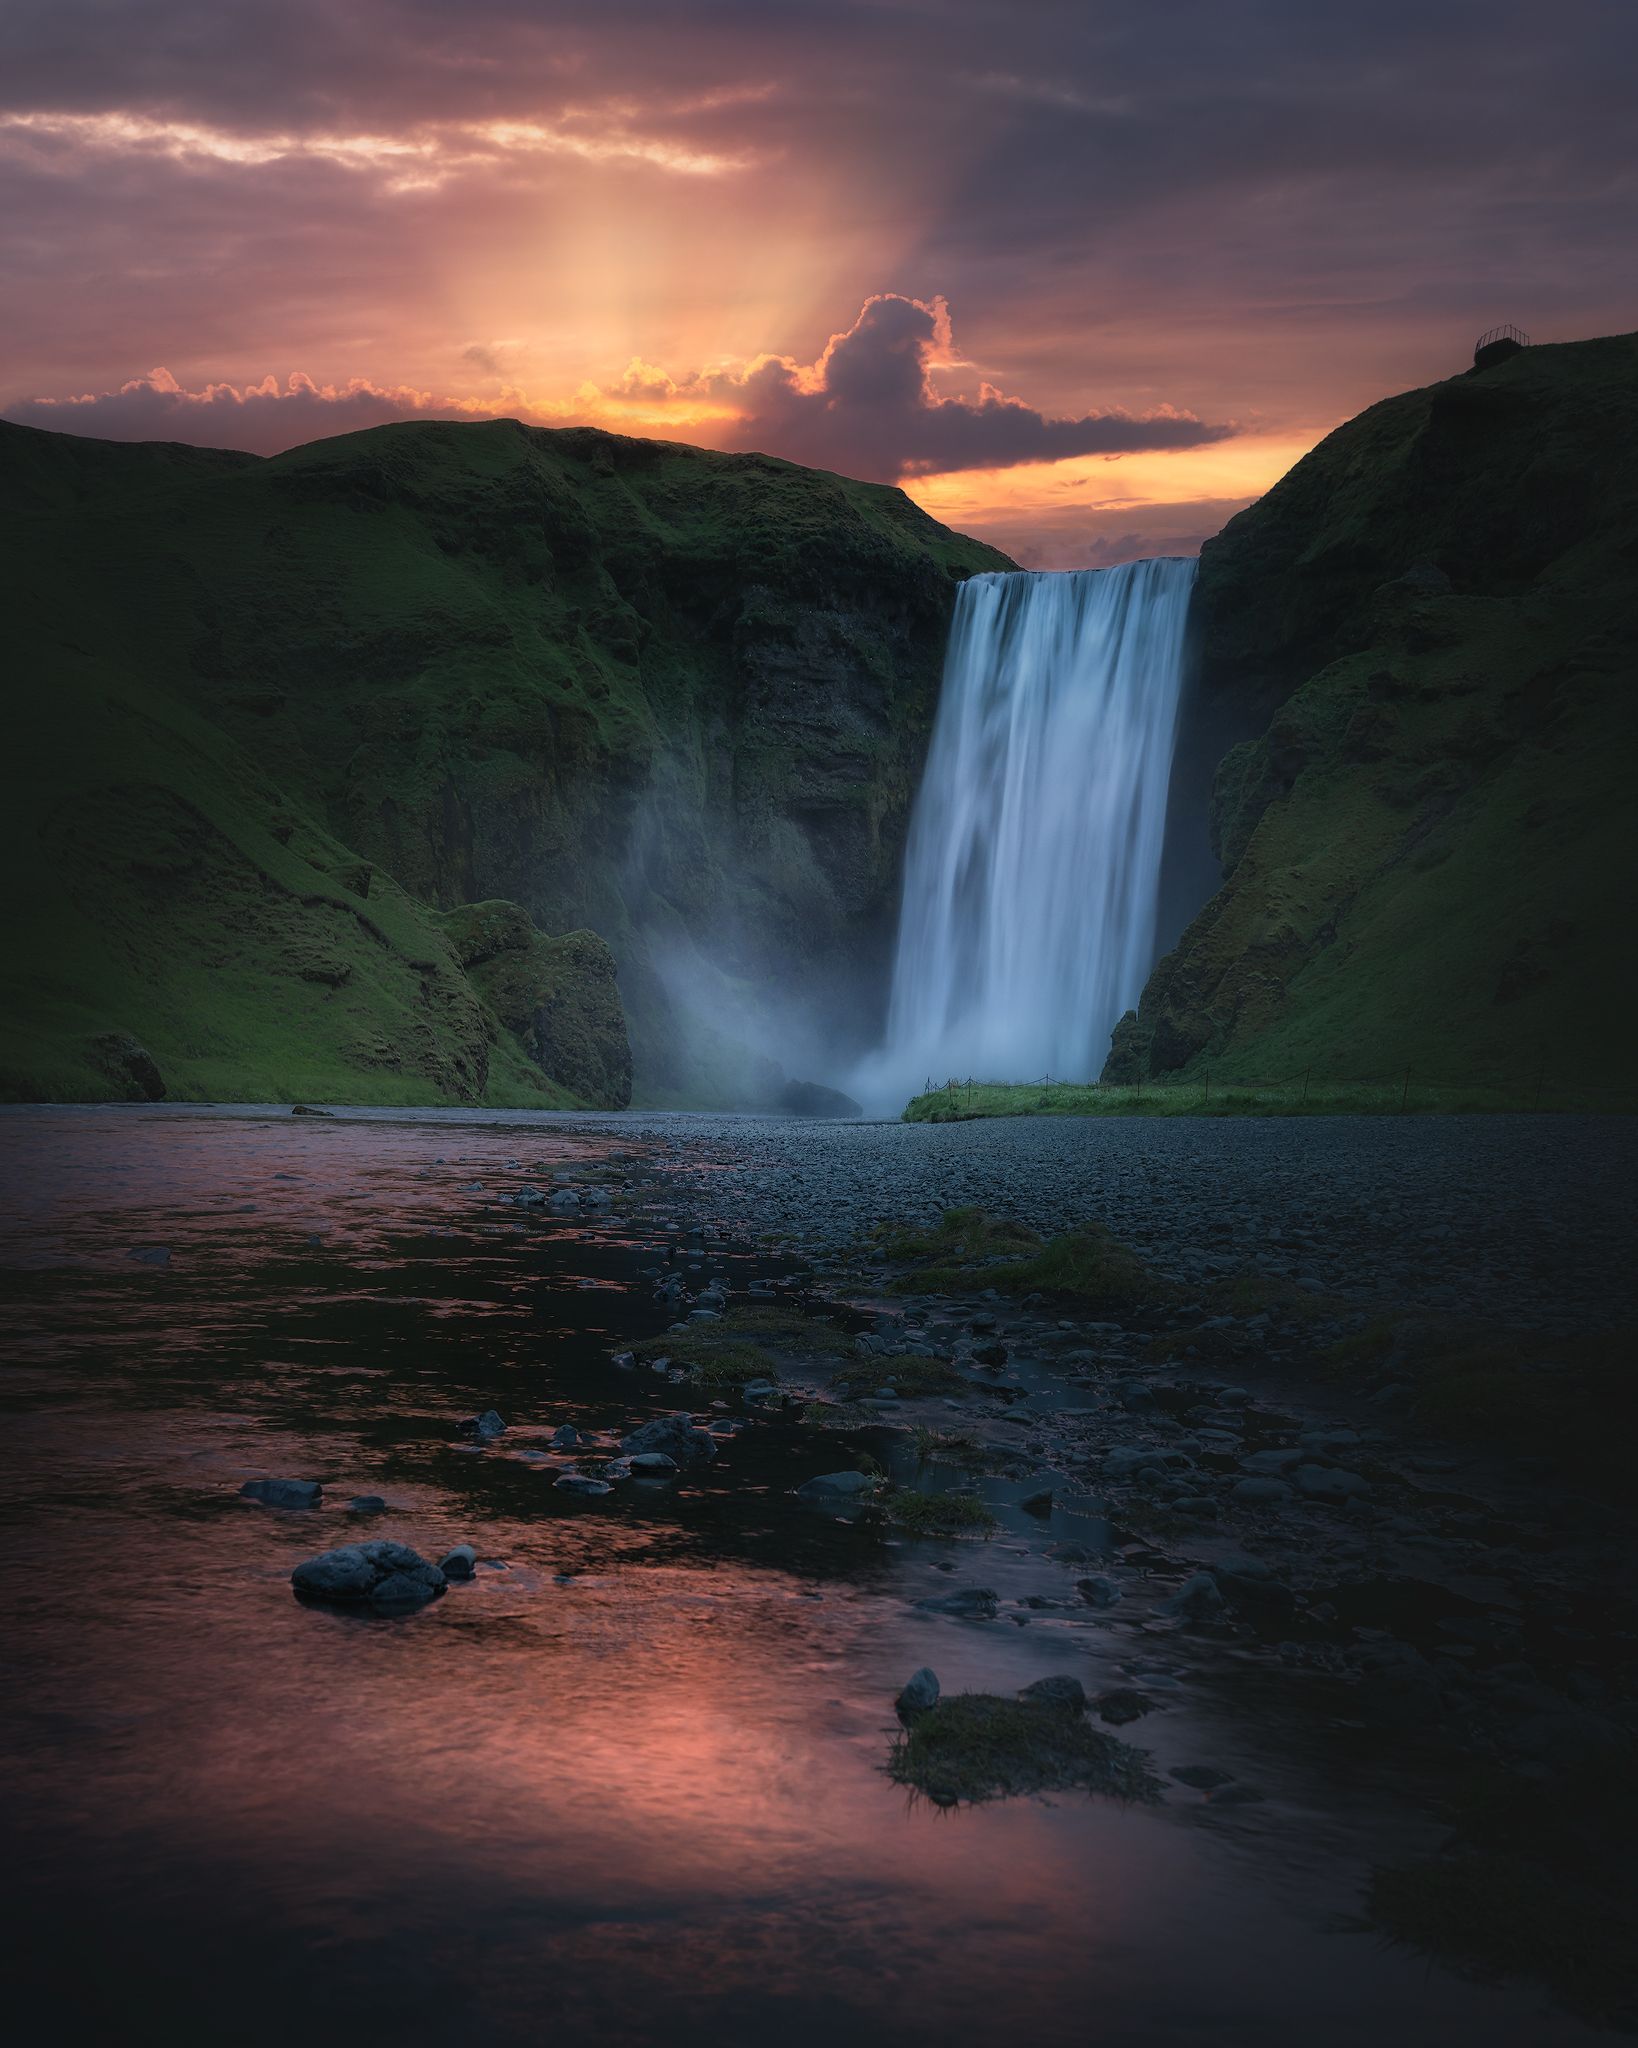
column 627, row 1785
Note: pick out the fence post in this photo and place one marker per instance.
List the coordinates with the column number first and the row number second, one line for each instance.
column 1404, row 1093
column 1305, row 1074
column 1208, row 1087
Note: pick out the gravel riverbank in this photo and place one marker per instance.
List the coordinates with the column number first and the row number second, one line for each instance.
column 1516, row 1218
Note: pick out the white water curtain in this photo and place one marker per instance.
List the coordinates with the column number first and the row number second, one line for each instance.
column 1033, row 867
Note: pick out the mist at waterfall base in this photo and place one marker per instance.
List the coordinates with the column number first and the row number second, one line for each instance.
column 1032, row 874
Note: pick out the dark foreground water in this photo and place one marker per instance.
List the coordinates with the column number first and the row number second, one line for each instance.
column 628, row 1786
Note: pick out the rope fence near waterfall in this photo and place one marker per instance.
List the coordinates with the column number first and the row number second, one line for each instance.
column 1307, row 1092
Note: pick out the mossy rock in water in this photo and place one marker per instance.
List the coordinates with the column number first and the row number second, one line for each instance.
column 974, row 1746
column 938, row 1514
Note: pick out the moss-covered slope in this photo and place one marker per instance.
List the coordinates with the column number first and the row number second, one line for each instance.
column 176, row 926
column 675, row 699
column 1429, row 628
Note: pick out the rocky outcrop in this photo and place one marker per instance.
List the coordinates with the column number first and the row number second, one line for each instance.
column 558, row 997
column 1420, row 645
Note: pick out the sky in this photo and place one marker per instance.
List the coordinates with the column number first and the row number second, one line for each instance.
column 1084, row 278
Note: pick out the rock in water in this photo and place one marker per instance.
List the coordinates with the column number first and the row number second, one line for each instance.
column 459, row 1563
column 283, row 1493
column 484, row 1426
column 1059, row 1690
column 836, row 1486
column 1098, row 1591
column 971, row 1603
column 676, row 1436
column 1125, row 1703
column 1197, row 1599
column 382, row 1575
column 920, row 1691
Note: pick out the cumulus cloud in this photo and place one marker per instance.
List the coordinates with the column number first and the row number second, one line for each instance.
column 869, row 406
column 262, row 418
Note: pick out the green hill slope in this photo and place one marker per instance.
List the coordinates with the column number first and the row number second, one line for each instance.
column 271, row 716
column 1430, row 626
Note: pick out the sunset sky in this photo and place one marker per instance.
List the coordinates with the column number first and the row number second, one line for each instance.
column 1084, row 277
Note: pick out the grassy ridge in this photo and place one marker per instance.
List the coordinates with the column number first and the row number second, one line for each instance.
column 1205, row 1097
column 1427, row 632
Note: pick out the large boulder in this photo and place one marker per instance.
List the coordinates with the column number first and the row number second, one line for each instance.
column 382, row 1575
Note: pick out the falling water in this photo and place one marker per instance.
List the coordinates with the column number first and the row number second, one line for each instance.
column 1030, row 889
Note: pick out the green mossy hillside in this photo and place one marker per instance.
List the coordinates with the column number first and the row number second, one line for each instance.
column 178, row 928
column 1428, row 632
column 673, row 698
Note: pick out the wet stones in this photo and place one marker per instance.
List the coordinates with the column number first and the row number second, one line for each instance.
column 1132, row 1461
column 918, row 1694
column 1122, row 1704
column 1271, row 1464
column 485, row 1427
column 676, row 1436
column 833, row 1486
column 1262, row 1493
column 1330, row 1483
column 1198, row 1599
column 389, row 1577
column 283, row 1493
column 580, row 1482
column 459, row 1563
column 1058, row 1690
column 1098, row 1590
column 968, row 1603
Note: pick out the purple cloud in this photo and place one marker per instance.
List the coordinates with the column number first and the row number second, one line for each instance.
column 262, row 418
column 869, row 407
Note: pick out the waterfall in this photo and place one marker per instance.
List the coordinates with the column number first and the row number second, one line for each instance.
column 1028, row 922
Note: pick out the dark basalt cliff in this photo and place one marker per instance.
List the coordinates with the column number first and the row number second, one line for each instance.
column 1419, row 651
column 274, row 723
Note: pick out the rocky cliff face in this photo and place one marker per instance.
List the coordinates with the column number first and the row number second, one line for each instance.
column 1422, row 643
column 674, row 699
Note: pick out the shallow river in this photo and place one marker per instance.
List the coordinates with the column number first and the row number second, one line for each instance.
column 628, row 1785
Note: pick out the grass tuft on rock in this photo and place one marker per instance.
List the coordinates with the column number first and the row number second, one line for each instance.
column 938, row 1514
column 908, row 1374
column 975, row 1746
column 711, row 1359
